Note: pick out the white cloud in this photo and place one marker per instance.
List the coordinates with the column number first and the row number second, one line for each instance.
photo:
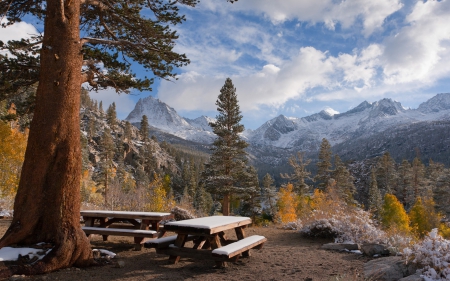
column 420, row 51
column 17, row 31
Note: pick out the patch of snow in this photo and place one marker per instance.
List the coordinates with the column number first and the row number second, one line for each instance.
column 12, row 254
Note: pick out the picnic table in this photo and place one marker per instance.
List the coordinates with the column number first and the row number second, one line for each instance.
column 139, row 225
column 209, row 239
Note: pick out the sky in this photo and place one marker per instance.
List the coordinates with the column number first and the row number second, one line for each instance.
column 297, row 58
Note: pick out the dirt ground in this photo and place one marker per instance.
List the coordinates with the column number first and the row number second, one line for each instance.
column 285, row 256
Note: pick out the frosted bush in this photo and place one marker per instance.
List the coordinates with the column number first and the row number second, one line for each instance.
column 345, row 225
column 293, row 225
column 433, row 254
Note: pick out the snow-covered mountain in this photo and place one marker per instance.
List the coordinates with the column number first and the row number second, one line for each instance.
column 364, row 120
column 166, row 119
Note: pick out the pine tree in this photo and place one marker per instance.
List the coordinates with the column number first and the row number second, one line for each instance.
column 127, row 133
column 300, row 173
column 270, row 195
column 228, row 159
column 423, row 217
column 251, row 201
column 386, row 174
column 421, row 187
column 405, row 191
column 344, row 181
column 108, row 151
column 111, row 116
column 144, row 130
column 324, row 165
column 375, row 200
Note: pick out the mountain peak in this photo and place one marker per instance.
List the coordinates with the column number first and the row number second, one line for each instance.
column 435, row 104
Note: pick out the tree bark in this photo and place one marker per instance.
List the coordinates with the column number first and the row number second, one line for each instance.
column 47, row 205
column 226, row 205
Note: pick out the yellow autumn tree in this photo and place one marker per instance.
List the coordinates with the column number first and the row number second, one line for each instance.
column 12, row 151
column 393, row 214
column 287, row 203
column 158, row 200
column 423, row 217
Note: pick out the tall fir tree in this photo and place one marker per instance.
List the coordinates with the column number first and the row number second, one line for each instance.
column 127, row 132
column 111, row 116
column 269, row 193
column 228, row 159
column 144, row 130
column 324, row 165
column 300, row 174
column 375, row 201
column 386, row 174
column 344, row 181
column 405, row 191
column 107, row 155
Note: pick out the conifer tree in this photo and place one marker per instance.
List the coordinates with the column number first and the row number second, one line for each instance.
column 421, row 187
column 107, row 154
column 405, row 191
column 228, row 159
column 269, row 194
column 344, row 181
column 111, row 116
column 300, row 174
column 386, row 174
column 144, row 130
column 127, row 133
column 324, row 165
column 423, row 216
column 251, row 200
column 375, row 200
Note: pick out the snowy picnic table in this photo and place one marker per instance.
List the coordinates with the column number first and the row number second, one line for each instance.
column 209, row 239
column 139, row 225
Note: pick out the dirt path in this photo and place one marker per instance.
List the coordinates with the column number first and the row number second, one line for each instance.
column 285, row 256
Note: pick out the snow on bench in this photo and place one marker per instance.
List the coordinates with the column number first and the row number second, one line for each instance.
column 120, row 232
column 239, row 246
column 164, row 242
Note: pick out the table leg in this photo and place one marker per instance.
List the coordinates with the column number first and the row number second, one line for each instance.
column 240, row 234
column 103, row 222
column 215, row 243
column 179, row 242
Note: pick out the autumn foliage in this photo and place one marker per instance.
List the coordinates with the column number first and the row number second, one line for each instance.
column 287, row 203
column 12, row 151
column 393, row 214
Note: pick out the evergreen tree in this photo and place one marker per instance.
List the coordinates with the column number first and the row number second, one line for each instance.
column 386, row 174
column 324, row 165
column 423, row 217
column 270, row 195
column 111, row 116
column 144, row 130
column 300, row 173
column 344, row 181
column 91, row 126
column 228, row 159
column 108, row 151
column 127, row 133
column 421, row 187
column 375, row 200
column 405, row 191
column 100, row 108
column 251, row 201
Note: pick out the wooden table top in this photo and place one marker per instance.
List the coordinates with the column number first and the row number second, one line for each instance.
column 126, row 214
column 207, row 225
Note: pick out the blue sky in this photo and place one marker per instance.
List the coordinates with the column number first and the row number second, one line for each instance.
column 296, row 57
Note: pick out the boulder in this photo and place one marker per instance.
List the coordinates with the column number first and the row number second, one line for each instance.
column 374, row 249
column 340, row 246
column 388, row 269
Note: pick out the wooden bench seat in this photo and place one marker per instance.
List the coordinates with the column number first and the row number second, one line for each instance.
column 120, row 232
column 164, row 242
column 234, row 249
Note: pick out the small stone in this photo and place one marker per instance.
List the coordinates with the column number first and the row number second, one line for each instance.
column 120, row 264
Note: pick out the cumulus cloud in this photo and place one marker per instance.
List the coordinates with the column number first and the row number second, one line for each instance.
column 371, row 13
column 17, row 31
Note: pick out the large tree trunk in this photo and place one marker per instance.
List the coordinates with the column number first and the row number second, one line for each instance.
column 47, row 205
column 226, row 205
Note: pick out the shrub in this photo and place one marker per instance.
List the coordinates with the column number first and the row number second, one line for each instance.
column 433, row 255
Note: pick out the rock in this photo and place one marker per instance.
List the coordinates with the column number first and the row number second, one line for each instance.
column 119, row 264
column 414, row 277
column 374, row 249
column 340, row 246
column 388, row 269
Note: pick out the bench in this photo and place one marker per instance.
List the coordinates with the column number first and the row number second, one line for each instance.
column 234, row 249
column 164, row 242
